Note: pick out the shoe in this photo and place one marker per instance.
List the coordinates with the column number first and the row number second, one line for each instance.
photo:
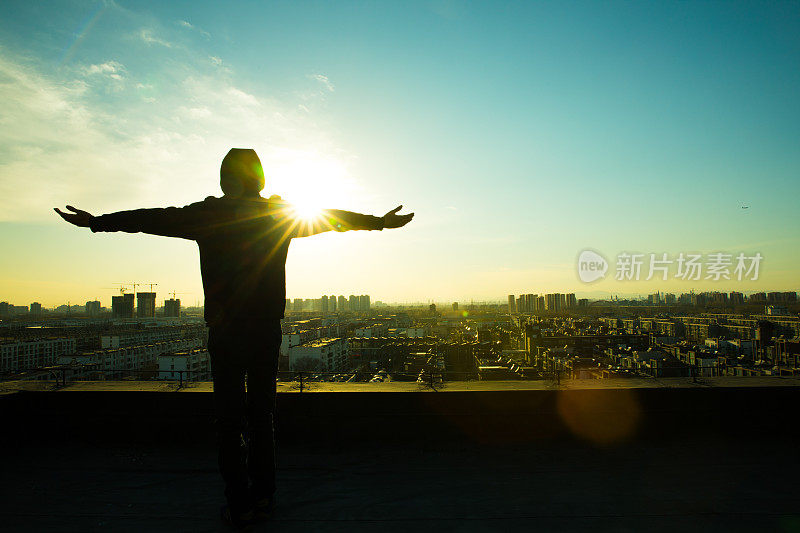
column 263, row 507
column 241, row 522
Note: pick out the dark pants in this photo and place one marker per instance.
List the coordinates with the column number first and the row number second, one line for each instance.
column 244, row 420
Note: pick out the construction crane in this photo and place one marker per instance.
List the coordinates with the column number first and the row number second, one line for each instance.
column 173, row 293
column 121, row 287
column 141, row 284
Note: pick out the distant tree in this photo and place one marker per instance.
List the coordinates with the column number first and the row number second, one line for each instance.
column 308, row 364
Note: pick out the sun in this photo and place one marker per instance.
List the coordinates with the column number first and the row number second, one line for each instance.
column 310, row 182
column 307, row 207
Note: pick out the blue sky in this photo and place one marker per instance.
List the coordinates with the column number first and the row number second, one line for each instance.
column 520, row 133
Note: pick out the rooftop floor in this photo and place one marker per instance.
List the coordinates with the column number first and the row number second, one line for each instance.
column 633, row 455
column 676, row 486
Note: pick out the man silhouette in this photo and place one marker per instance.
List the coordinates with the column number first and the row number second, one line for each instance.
column 243, row 240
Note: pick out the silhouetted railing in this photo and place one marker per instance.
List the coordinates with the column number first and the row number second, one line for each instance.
column 431, row 378
column 64, row 374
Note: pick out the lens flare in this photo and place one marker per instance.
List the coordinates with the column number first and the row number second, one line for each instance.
column 307, row 210
column 604, row 416
column 310, row 181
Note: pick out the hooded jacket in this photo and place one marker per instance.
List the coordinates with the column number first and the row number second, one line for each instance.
column 243, row 244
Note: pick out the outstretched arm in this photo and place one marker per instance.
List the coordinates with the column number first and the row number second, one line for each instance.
column 337, row 220
column 169, row 222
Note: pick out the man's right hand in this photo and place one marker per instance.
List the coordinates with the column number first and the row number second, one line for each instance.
column 77, row 217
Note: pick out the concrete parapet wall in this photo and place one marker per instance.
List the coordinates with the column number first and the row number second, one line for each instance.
column 602, row 417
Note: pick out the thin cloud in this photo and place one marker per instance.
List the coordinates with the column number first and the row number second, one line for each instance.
column 323, row 80
column 219, row 64
column 198, row 112
column 189, row 26
column 51, row 121
column 147, row 36
column 113, row 70
column 109, row 67
column 242, row 98
column 61, row 141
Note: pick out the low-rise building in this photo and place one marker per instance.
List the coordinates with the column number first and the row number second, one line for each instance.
column 190, row 365
column 330, row 352
column 131, row 361
column 18, row 356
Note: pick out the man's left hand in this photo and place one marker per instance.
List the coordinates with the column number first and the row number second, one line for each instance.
column 392, row 220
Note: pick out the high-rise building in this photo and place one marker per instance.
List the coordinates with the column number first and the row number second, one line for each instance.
column 719, row 298
column 455, row 306
column 553, row 302
column 353, row 304
column 332, row 303
column 342, row 304
column 512, row 304
column 782, row 297
column 92, row 308
column 145, row 304
column 122, row 306
column 172, row 307
column 36, row 310
column 323, row 305
column 364, row 303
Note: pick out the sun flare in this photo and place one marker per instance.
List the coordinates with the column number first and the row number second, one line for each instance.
column 307, row 208
column 310, row 182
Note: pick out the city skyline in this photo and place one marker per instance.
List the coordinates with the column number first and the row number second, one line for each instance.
column 311, row 304
column 520, row 135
